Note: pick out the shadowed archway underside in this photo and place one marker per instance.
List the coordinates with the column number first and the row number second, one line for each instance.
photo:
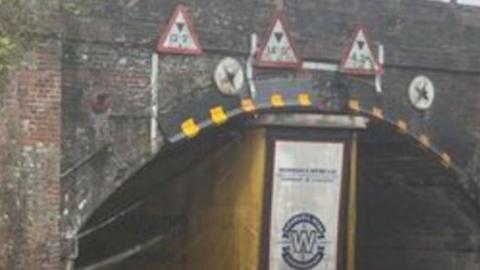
column 411, row 203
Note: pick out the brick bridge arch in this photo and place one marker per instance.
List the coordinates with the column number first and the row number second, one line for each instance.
column 188, row 136
column 448, row 142
column 105, row 147
column 212, row 133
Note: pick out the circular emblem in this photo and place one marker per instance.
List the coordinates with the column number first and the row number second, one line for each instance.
column 303, row 241
column 421, row 93
column 229, row 76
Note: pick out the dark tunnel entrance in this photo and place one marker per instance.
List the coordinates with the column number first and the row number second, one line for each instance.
column 411, row 211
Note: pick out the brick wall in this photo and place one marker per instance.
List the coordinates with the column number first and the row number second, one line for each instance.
column 39, row 94
column 30, row 166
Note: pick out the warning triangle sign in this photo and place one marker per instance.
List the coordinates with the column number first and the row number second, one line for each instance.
column 179, row 37
column 278, row 49
column 359, row 58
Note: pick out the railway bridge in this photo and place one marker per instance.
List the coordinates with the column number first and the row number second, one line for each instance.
column 130, row 148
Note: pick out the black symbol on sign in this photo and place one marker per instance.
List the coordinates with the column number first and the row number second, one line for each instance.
column 422, row 91
column 360, row 44
column 180, row 26
column 278, row 36
column 230, row 76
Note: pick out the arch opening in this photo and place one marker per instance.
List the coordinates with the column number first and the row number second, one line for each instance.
column 411, row 208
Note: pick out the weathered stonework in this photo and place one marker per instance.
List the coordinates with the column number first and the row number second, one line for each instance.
column 32, row 164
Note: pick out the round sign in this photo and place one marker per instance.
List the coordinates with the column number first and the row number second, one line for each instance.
column 421, row 93
column 303, row 241
column 229, row 76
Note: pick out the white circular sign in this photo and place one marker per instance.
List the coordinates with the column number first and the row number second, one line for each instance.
column 421, row 93
column 229, row 76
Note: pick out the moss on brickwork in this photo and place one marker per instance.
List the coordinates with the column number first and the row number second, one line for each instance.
column 20, row 22
column 15, row 22
column 11, row 229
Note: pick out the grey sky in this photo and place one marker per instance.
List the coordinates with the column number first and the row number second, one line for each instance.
column 469, row 2
column 465, row 2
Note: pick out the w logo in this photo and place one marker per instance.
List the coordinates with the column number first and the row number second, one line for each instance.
column 303, row 241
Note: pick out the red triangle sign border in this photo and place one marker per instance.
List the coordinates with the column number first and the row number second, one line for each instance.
column 277, row 64
column 163, row 49
column 377, row 70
